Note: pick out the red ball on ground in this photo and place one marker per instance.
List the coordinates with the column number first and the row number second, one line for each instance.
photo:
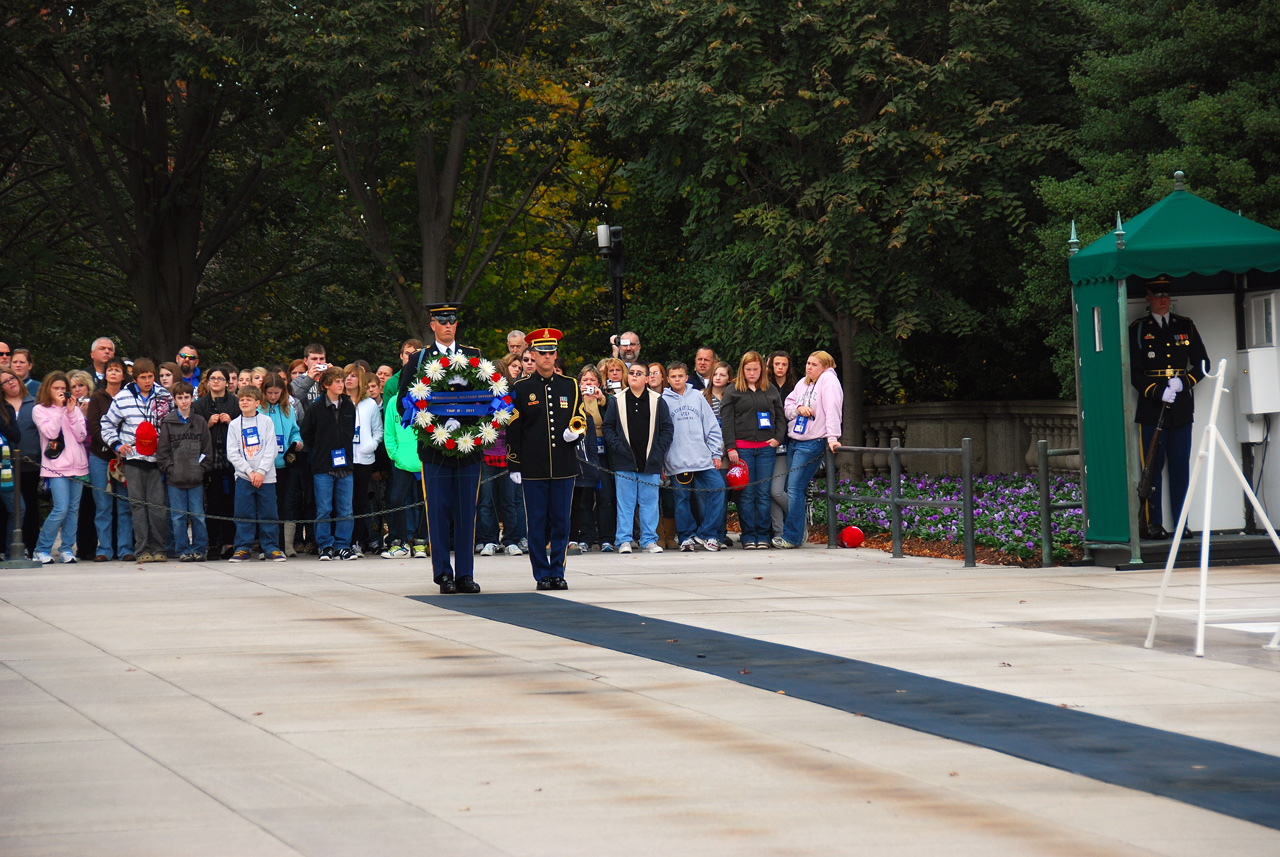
column 851, row 537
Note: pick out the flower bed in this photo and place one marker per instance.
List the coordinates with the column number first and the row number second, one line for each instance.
column 1006, row 512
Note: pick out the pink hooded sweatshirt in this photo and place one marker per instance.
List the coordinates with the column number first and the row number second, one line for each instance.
column 826, row 397
column 74, row 460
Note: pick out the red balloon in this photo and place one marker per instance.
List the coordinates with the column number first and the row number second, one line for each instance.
column 738, row 477
column 851, row 537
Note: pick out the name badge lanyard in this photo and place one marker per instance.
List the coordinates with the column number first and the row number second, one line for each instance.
column 802, row 423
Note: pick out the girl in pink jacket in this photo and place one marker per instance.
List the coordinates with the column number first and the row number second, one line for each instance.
column 54, row 414
column 815, row 410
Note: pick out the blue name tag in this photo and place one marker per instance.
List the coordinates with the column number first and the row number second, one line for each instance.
column 764, row 420
column 280, row 442
column 251, row 436
column 599, row 446
column 802, row 423
column 339, row 458
column 357, row 432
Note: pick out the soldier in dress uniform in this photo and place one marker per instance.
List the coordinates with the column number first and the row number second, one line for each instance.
column 541, row 458
column 1167, row 359
column 450, row 483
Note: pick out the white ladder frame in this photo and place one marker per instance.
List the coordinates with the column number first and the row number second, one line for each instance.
column 1210, row 441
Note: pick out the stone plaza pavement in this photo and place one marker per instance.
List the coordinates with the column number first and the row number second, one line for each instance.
column 316, row 708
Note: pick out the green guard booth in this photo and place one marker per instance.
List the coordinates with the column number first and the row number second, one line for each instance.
column 1207, row 251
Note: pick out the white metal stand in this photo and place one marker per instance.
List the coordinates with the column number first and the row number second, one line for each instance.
column 1210, row 441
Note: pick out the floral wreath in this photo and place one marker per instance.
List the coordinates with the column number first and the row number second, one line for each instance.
column 462, row 440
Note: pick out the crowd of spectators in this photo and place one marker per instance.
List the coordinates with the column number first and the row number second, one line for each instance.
column 145, row 461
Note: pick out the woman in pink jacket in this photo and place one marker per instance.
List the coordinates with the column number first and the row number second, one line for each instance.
column 56, row 412
column 814, row 410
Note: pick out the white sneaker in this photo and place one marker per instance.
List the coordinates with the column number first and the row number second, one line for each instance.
column 514, row 550
column 625, row 547
column 489, row 549
column 42, row 558
column 67, row 556
column 710, row 544
column 653, row 548
column 479, row 547
column 687, row 546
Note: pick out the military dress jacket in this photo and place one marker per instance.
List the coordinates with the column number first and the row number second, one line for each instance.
column 544, row 408
column 408, row 377
column 1157, row 354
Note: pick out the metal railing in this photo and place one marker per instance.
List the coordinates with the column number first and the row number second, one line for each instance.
column 896, row 501
column 1043, row 453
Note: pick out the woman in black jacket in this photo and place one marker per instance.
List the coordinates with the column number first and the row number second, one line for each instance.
column 754, row 424
column 219, row 408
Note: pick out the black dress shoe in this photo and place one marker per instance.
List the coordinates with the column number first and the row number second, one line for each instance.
column 447, row 586
column 467, row 586
column 559, row 583
column 546, row 583
column 1159, row 533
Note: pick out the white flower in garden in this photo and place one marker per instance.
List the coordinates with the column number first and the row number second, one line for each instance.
column 434, row 372
column 499, row 388
column 420, row 391
column 488, row 434
column 487, row 368
column 466, row 443
column 439, row 435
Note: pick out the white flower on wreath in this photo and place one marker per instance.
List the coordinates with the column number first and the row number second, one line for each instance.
column 434, row 371
column 466, row 443
column 487, row 368
column 488, row 434
column 503, row 417
column 423, row 419
column 498, row 388
column 420, row 391
column 439, row 435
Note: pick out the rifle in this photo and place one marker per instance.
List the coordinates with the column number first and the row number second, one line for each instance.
column 1148, row 471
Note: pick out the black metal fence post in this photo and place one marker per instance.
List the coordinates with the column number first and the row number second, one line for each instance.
column 895, row 494
column 832, row 535
column 966, row 477
column 1046, row 535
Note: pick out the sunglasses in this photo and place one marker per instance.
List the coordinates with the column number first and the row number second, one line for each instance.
column 189, row 356
column 5, row 353
column 445, row 319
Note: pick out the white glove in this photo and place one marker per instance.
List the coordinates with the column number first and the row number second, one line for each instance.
column 570, row 435
column 515, row 477
column 1175, row 384
column 452, row 425
column 1169, row 395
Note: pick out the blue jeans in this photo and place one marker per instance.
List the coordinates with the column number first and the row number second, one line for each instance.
column 753, row 505
column 259, row 504
column 710, row 501
column 187, row 504
column 408, row 524
column 498, row 494
column 63, row 517
column 333, row 497
column 103, row 503
column 637, row 490
column 803, row 458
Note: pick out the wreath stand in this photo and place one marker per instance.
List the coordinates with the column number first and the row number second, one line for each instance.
column 1210, row 441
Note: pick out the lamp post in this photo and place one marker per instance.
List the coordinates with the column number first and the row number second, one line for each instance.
column 609, row 241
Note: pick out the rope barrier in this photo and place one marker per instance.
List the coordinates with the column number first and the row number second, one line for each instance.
column 674, row 485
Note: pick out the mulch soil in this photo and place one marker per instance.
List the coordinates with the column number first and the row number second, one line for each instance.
column 914, row 546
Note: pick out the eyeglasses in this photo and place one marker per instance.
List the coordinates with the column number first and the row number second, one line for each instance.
column 189, row 356
column 638, row 374
column 5, row 353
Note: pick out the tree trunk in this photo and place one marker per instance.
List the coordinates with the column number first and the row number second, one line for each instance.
column 854, row 407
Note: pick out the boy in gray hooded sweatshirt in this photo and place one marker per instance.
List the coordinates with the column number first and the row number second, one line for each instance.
column 692, row 462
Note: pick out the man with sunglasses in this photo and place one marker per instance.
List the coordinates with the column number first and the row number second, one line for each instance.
column 542, row 457
column 450, row 483
column 6, row 353
column 189, row 362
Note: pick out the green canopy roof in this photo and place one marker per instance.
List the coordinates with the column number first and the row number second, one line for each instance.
column 1180, row 235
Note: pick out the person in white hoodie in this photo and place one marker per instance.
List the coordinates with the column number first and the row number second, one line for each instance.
column 692, row 462
column 251, row 449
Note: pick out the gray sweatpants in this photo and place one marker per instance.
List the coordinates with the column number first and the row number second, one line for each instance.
column 146, row 485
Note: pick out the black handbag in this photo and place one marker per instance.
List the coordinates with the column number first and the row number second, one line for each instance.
column 54, row 447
